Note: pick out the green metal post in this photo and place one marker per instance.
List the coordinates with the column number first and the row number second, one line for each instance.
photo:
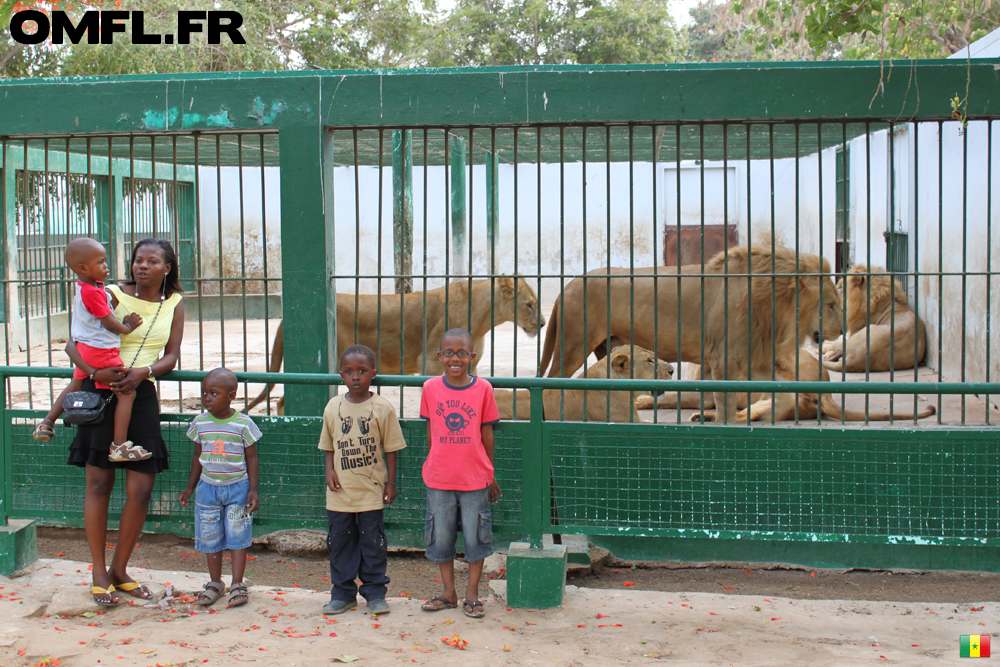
column 402, row 209
column 458, row 227
column 6, row 474
column 536, row 491
column 306, row 288
column 492, row 206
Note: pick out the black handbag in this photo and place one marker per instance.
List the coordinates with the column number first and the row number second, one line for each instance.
column 84, row 408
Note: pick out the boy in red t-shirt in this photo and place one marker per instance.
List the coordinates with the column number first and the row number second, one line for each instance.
column 460, row 411
column 97, row 333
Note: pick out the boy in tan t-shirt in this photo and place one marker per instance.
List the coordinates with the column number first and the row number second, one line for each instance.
column 360, row 437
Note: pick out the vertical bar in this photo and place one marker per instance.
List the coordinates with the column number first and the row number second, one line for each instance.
column 402, row 216
column 378, row 257
column 492, row 218
column 242, row 244
column 220, row 259
column 940, row 190
column 310, row 342
column 492, row 192
column 458, row 219
column 267, row 275
column 989, row 259
column 965, row 253
column 916, row 268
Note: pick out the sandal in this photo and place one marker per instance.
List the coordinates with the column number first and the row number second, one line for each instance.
column 474, row 608
column 127, row 452
column 213, row 591
column 238, row 594
column 135, row 589
column 437, row 603
column 44, row 431
column 98, row 591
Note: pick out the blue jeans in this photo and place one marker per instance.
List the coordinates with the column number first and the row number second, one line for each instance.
column 221, row 520
column 444, row 511
column 357, row 547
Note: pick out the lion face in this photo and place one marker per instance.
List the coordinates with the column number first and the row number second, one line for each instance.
column 634, row 362
column 528, row 315
column 830, row 309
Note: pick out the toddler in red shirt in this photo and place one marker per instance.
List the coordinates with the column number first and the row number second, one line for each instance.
column 460, row 411
column 97, row 333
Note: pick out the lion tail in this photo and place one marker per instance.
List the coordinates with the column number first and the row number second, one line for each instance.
column 277, row 356
column 834, row 411
column 551, row 335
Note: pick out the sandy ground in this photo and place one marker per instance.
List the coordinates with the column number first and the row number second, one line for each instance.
column 228, row 343
column 44, row 613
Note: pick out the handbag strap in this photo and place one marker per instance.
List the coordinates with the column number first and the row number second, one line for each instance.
column 147, row 333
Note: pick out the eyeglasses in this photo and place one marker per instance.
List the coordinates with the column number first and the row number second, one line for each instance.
column 448, row 354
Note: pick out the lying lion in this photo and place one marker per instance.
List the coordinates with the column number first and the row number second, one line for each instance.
column 631, row 305
column 379, row 325
column 890, row 331
column 638, row 363
column 783, row 405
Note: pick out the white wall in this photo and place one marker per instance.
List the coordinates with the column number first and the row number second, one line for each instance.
column 637, row 221
column 257, row 207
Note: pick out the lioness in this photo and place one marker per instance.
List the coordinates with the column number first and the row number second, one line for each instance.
column 892, row 329
column 380, row 323
column 631, row 305
column 640, row 362
column 783, row 405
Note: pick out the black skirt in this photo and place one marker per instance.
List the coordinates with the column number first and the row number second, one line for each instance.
column 92, row 443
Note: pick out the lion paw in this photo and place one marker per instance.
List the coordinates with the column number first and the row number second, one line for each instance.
column 703, row 417
column 645, row 403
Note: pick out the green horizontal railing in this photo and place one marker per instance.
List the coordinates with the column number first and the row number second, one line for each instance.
column 838, row 496
column 742, row 386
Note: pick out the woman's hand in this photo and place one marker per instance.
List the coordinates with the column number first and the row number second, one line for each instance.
column 130, row 380
column 109, row 376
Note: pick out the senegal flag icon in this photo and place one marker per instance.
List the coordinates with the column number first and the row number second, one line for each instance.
column 974, row 646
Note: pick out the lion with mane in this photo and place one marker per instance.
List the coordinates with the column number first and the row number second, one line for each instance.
column 883, row 330
column 644, row 310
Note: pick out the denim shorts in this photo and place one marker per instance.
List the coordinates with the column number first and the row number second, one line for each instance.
column 221, row 520
column 445, row 509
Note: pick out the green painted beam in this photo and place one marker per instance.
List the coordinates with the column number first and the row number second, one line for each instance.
column 394, row 98
column 306, row 287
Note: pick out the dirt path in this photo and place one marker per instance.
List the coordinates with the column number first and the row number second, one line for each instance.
column 45, row 614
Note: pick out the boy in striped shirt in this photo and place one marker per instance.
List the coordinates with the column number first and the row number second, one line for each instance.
column 225, row 469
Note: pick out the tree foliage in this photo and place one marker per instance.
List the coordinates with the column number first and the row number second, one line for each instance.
column 335, row 34
column 837, row 29
column 364, row 34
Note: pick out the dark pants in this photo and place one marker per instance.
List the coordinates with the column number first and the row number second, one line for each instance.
column 357, row 547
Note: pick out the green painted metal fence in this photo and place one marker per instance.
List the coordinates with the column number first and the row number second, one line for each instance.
column 549, row 172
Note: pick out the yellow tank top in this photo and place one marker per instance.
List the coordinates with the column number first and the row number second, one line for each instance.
column 159, row 335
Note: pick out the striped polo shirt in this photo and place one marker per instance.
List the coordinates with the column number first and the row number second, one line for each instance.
column 223, row 441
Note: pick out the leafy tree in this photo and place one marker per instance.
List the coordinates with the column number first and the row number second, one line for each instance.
column 841, row 29
column 538, row 32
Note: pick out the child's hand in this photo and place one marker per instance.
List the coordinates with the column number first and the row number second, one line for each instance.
column 389, row 494
column 253, row 502
column 495, row 492
column 185, row 494
column 133, row 321
column 332, row 481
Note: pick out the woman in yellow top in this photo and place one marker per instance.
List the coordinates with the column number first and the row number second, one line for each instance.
column 154, row 293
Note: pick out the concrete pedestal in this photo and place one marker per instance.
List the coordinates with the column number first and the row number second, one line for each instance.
column 536, row 578
column 18, row 546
